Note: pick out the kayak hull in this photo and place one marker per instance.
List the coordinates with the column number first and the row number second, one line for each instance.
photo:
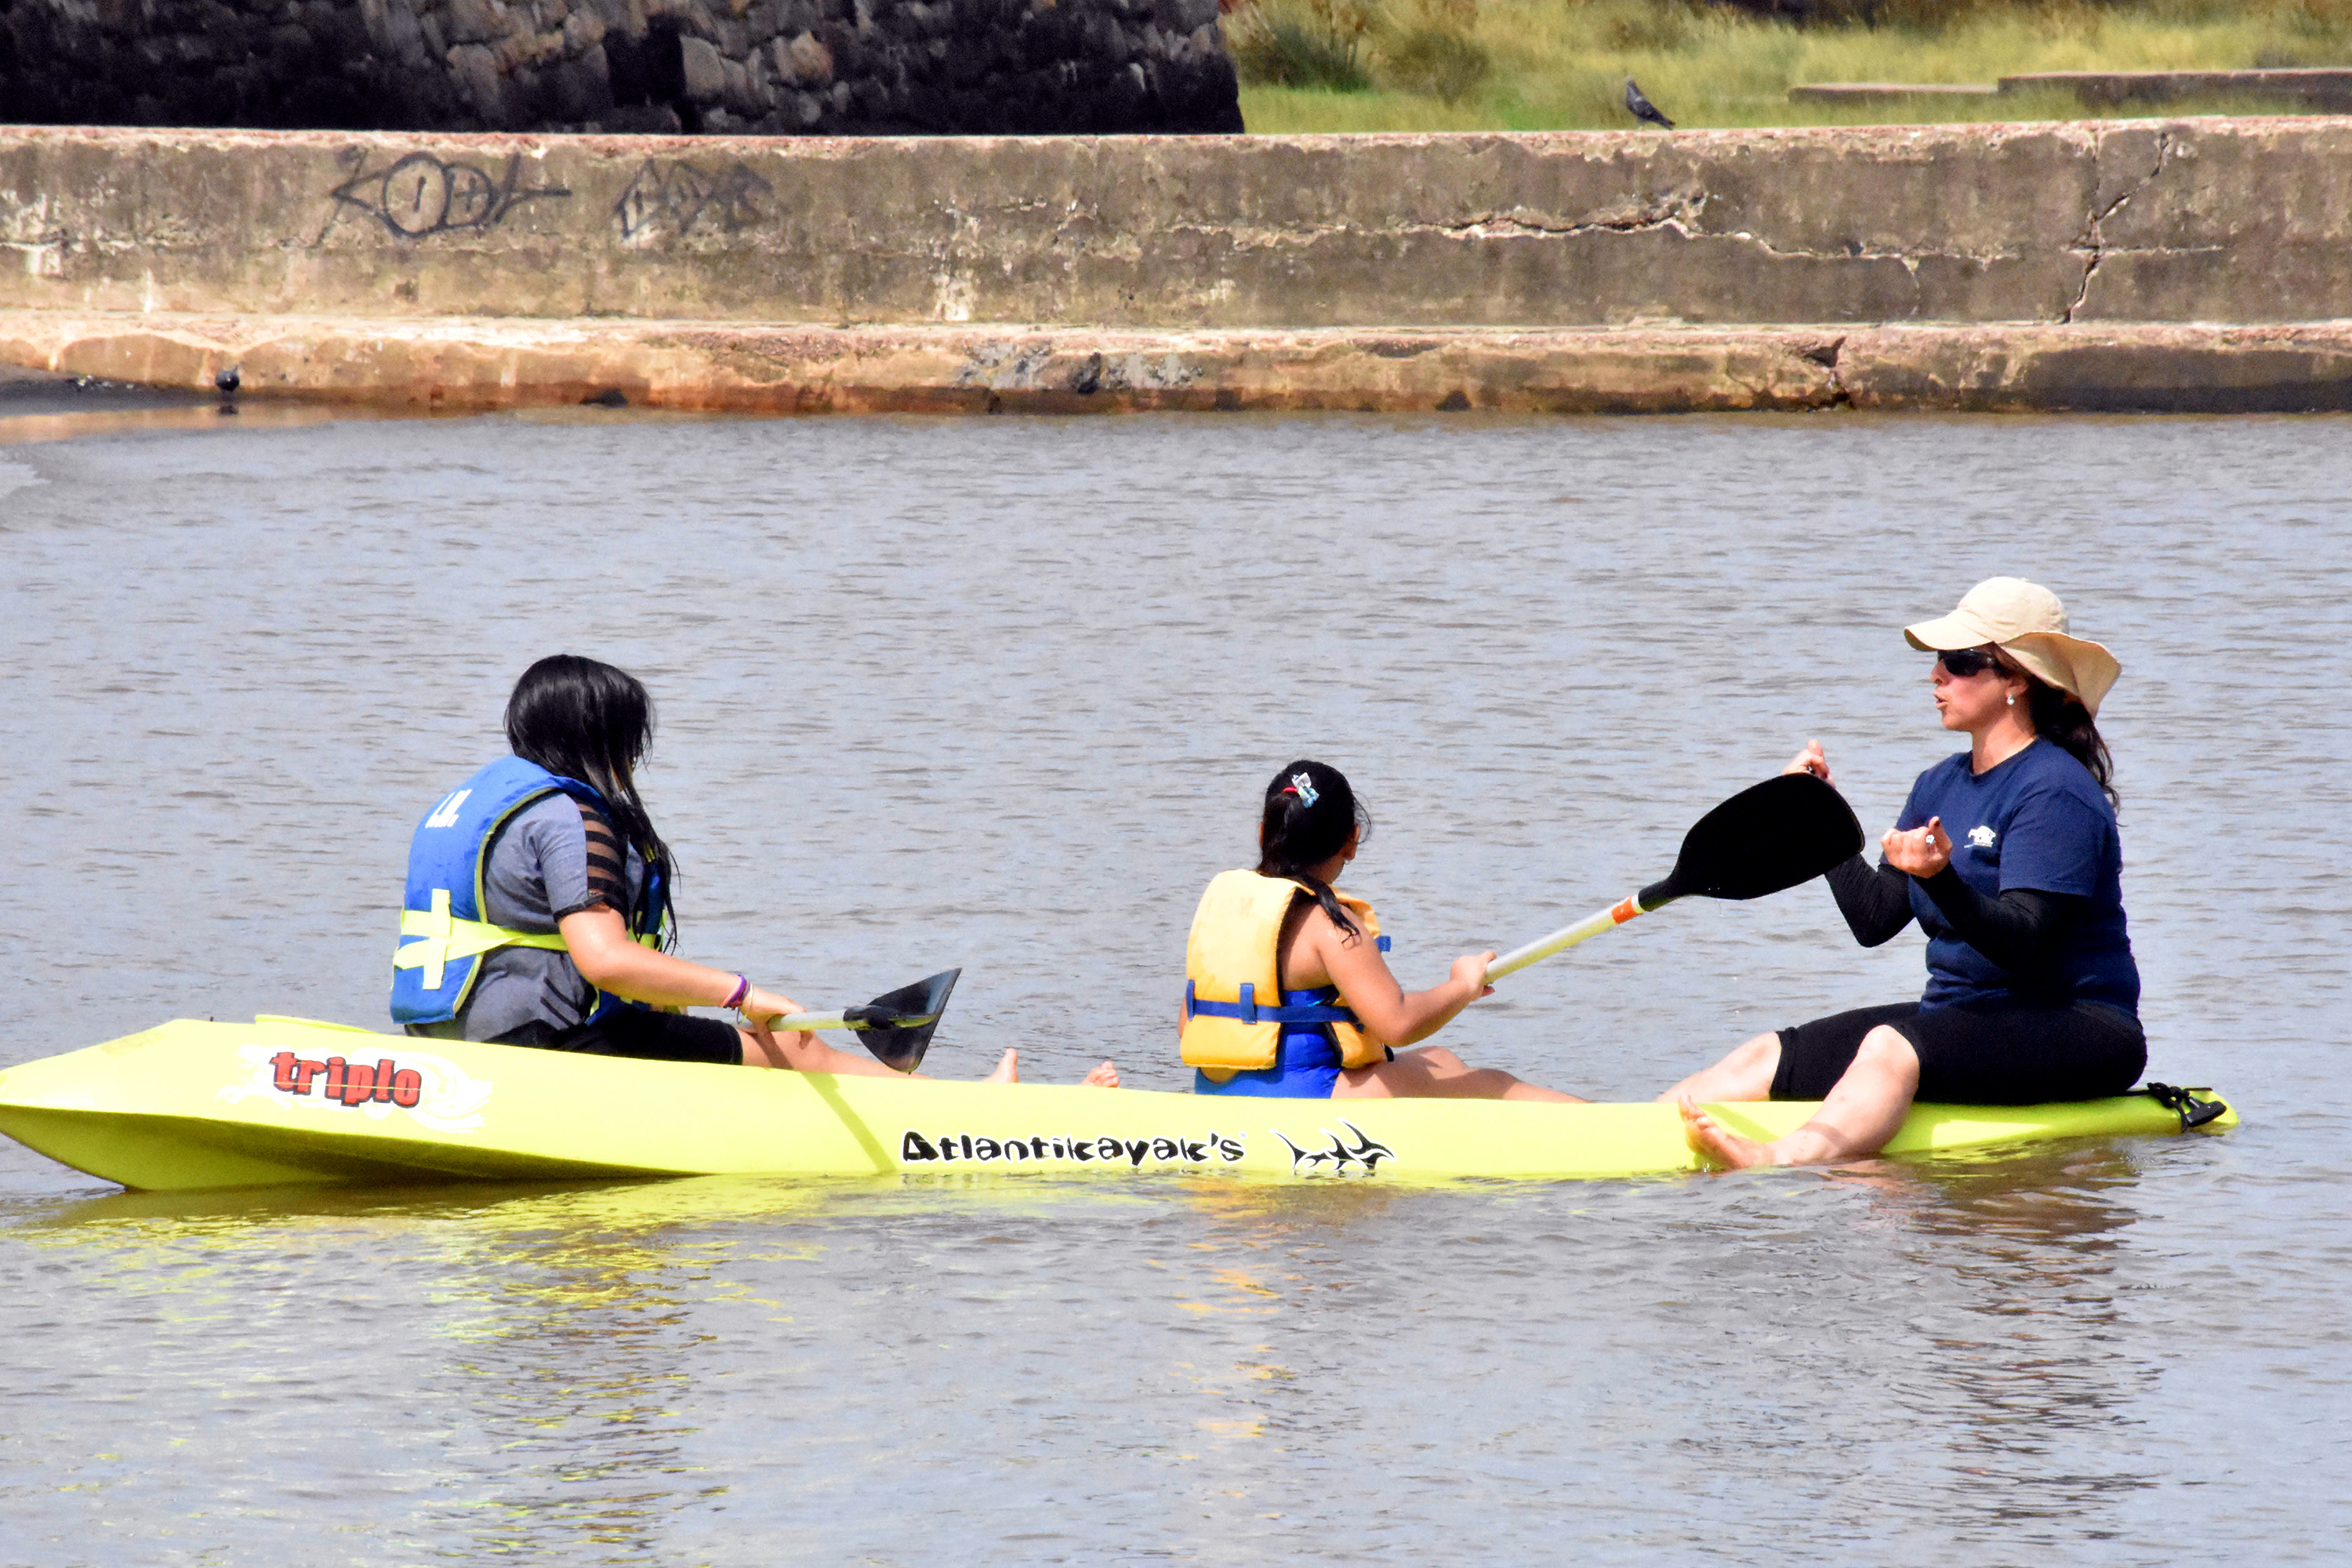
column 192, row 1105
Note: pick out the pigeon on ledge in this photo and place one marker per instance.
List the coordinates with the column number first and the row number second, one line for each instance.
column 1641, row 109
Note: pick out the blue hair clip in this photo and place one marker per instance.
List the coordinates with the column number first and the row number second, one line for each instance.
column 1303, row 788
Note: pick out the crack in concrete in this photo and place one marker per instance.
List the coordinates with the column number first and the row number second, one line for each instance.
column 1679, row 214
column 1676, row 219
column 2091, row 240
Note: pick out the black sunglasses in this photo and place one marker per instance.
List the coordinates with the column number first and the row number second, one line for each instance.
column 1964, row 662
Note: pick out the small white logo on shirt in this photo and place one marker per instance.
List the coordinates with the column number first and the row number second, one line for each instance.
column 1981, row 836
column 445, row 814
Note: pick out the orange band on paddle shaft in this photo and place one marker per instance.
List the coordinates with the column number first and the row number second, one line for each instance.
column 1624, row 909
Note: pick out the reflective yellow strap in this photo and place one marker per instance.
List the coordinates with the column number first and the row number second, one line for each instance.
column 445, row 937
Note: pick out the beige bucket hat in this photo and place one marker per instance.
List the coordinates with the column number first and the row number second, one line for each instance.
column 2025, row 621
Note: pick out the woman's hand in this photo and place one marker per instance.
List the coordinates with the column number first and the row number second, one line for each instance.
column 1470, row 973
column 1811, row 760
column 1921, row 851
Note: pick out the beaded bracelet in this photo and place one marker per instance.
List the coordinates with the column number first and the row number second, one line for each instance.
column 742, row 989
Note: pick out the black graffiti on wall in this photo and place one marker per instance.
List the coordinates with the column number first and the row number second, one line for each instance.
column 674, row 197
column 421, row 195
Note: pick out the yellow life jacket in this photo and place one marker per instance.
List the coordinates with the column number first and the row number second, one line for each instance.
column 1233, row 1005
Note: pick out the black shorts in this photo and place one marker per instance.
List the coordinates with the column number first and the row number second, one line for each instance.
column 1999, row 1051
column 634, row 1032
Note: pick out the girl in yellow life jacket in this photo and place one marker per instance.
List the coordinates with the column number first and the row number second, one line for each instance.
column 1286, row 993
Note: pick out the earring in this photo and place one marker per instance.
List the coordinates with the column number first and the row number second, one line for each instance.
column 2013, row 699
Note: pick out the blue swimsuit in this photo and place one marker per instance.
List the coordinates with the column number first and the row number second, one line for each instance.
column 1306, row 1057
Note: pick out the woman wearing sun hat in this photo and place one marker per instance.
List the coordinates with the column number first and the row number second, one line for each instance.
column 2007, row 854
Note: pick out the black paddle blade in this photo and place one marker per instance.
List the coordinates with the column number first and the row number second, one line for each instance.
column 896, row 1026
column 1784, row 831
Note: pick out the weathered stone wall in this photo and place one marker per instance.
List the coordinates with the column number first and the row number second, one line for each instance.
column 2195, row 263
column 2182, row 221
column 768, row 67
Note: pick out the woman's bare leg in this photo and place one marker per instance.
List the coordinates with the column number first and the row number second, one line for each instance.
column 1432, row 1072
column 1864, row 1109
column 1745, row 1074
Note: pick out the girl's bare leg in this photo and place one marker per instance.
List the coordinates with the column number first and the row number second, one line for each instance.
column 798, row 1050
column 1863, row 1111
column 1745, row 1074
column 1432, row 1072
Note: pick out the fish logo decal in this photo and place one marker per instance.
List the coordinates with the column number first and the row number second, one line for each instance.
column 1341, row 1156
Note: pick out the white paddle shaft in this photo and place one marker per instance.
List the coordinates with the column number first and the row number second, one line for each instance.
column 808, row 1021
column 1518, row 958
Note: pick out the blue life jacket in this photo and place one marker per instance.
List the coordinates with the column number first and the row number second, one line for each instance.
column 443, row 929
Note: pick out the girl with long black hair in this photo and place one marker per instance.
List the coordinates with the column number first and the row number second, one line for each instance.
column 538, row 901
column 2008, row 857
column 1286, row 993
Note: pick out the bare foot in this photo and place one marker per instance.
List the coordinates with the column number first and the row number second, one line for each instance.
column 1007, row 1070
column 1105, row 1076
column 1719, row 1145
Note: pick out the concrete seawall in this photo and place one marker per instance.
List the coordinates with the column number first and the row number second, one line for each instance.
column 2186, row 264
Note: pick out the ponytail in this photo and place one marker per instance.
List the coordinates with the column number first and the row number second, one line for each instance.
column 2062, row 721
column 1309, row 812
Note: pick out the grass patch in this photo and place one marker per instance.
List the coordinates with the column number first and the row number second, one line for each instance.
column 1542, row 65
column 1305, row 47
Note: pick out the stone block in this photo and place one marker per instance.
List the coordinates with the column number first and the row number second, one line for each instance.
column 477, row 70
column 745, row 93
column 582, row 86
column 1185, row 15
column 404, row 37
column 471, row 22
column 803, row 61
column 705, row 71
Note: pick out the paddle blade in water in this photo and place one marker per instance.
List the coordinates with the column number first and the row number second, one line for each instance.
column 1786, row 830
column 896, row 1026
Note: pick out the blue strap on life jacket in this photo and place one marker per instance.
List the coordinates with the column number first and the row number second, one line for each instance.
column 1250, row 1010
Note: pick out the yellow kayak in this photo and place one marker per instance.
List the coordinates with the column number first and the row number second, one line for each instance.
column 192, row 1105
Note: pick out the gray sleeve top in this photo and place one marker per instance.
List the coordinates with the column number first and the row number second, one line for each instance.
column 535, row 873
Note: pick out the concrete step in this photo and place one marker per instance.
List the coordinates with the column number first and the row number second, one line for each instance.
column 1884, row 91
column 2327, row 88
column 2317, row 89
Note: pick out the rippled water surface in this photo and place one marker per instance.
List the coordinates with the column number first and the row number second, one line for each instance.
column 1002, row 693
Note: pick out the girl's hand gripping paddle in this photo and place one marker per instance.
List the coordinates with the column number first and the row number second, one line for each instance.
column 895, row 1025
column 1784, row 831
